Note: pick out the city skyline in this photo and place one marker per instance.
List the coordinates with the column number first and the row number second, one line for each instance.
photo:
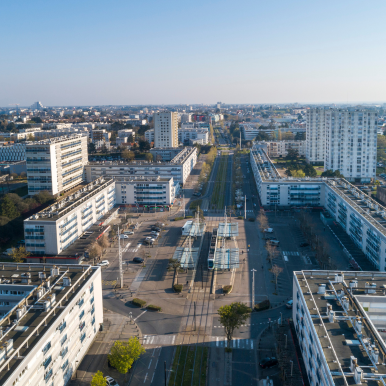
column 172, row 53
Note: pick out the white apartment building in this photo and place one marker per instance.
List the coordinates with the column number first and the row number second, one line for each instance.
column 56, row 164
column 315, row 136
column 13, row 152
column 361, row 217
column 339, row 318
column 166, row 129
column 186, row 118
column 280, row 148
column 179, row 168
column 197, row 135
column 146, row 191
column 149, row 135
column 351, row 143
column 52, row 230
column 50, row 317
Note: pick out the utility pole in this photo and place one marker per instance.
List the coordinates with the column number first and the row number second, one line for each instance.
column 253, row 287
column 165, row 373
column 202, row 277
column 120, row 258
column 183, row 201
column 292, row 366
column 194, row 316
column 240, row 139
column 245, row 207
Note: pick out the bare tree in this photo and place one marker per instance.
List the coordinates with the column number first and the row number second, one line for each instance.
column 262, row 221
column 95, row 252
column 272, row 252
column 276, row 270
column 103, row 242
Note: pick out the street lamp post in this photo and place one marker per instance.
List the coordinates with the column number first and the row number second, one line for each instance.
column 281, row 318
column 285, row 340
column 253, row 287
column 292, row 366
column 165, row 372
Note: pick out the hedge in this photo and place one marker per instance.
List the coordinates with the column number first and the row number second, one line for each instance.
column 240, row 217
column 138, row 302
column 178, row 287
column 188, row 216
column 264, row 305
column 226, row 289
column 152, row 307
column 178, row 218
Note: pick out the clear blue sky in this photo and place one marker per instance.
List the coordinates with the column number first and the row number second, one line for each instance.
column 83, row 52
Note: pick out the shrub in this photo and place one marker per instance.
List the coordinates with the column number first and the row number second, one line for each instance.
column 228, row 349
column 178, row 218
column 178, row 287
column 264, row 305
column 188, row 216
column 138, row 302
column 226, row 289
column 152, row 307
column 240, row 217
column 252, row 219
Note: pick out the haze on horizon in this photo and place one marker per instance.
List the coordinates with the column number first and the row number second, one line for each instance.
column 172, row 52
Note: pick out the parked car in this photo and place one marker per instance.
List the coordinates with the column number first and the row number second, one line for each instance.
column 268, row 230
column 155, row 233
column 149, row 242
column 138, row 260
column 271, row 238
column 159, row 224
column 128, row 232
column 104, row 263
column 289, row 304
column 111, row 381
column 268, row 362
column 123, row 236
column 8, row 251
column 275, row 243
column 156, row 229
column 304, row 245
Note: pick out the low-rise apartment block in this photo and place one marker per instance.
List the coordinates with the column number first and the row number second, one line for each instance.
column 190, row 136
column 50, row 316
column 280, row 148
column 339, row 318
column 361, row 217
column 52, row 230
column 56, row 164
column 146, row 191
column 179, row 167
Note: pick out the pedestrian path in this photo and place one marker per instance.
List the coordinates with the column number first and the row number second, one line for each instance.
column 159, row 340
column 290, row 253
column 255, row 324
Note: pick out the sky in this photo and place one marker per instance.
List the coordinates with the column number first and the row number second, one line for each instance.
column 93, row 52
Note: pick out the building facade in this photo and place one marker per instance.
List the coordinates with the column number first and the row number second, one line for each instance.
column 52, row 230
column 166, row 129
column 149, row 135
column 351, row 143
column 50, row 318
column 150, row 191
column 187, row 135
column 315, row 136
column 56, row 164
column 13, row 152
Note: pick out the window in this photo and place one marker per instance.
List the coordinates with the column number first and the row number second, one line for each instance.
column 92, row 300
column 48, row 375
column 81, row 315
column 47, row 361
column 65, row 364
column 46, row 347
column 62, row 327
column 82, row 338
column 63, row 340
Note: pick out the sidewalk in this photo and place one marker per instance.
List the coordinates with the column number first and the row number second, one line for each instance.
column 116, row 327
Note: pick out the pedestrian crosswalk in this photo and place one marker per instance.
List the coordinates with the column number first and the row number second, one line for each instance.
column 244, row 344
column 109, row 282
column 290, row 253
column 159, row 340
column 133, row 249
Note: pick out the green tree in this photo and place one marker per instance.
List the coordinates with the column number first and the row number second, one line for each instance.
column 149, row 157
column 292, row 154
column 232, row 316
column 8, row 208
column 298, row 173
column 144, row 145
column 127, row 155
column 124, row 354
column 175, row 264
column 19, row 254
column 91, row 148
column 98, row 379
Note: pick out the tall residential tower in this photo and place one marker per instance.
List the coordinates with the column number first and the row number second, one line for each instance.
column 166, row 129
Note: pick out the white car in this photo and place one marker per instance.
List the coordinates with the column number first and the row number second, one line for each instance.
column 104, row 263
column 111, row 381
column 123, row 236
column 128, row 232
column 150, row 238
column 155, row 233
column 268, row 230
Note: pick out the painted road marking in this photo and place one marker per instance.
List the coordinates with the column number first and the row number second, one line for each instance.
column 139, row 315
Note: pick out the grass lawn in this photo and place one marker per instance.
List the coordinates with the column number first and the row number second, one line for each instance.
column 189, row 361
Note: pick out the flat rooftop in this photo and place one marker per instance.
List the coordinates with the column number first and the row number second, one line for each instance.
column 64, row 206
column 347, row 295
column 54, row 140
column 27, row 330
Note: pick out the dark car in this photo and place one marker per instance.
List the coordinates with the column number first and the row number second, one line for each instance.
column 156, row 229
column 304, row 245
column 270, row 238
column 138, row 260
column 268, row 362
